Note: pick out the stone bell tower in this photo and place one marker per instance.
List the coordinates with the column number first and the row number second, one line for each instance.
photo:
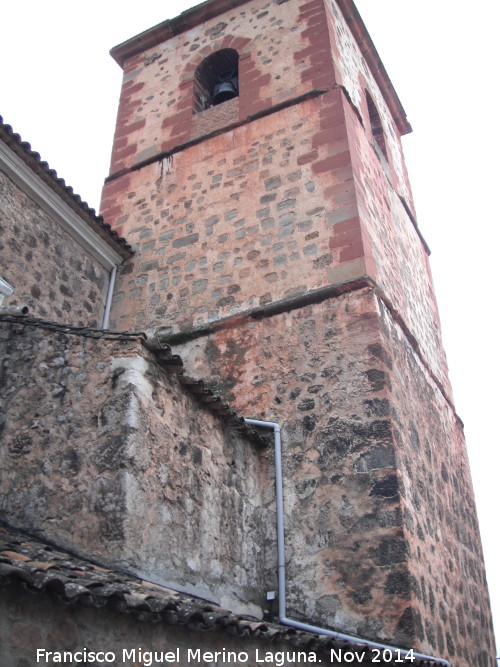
column 257, row 169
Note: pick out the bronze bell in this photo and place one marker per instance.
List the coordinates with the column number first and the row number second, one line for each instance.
column 225, row 90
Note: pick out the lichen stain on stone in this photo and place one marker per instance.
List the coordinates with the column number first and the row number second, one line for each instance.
column 163, row 167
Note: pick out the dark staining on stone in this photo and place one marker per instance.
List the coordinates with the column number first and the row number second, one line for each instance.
column 20, row 445
column 379, row 429
column 15, row 246
column 410, row 625
column 114, row 382
column 126, row 268
column 377, row 378
column 376, row 350
column 309, row 423
column 305, row 487
column 110, row 456
column 216, row 30
column 444, row 473
column 225, row 301
column 377, row 407
column 430, row 631
column 385, row 488
column 109, row 506
column 196, row 455
column 362, row 596
column 35, row 292
column 323, row 261
column 432, row 600
column 91, row 275
column 333, row 450
column 330, row 372
column 450, row 643
column 70, row 463
column 306, row 404
column 376, row 458
column 391, row 551
column 398, row 583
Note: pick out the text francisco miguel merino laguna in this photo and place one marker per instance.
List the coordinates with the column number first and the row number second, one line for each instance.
column 182, row 656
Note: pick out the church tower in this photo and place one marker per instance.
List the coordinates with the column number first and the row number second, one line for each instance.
column 257, row 170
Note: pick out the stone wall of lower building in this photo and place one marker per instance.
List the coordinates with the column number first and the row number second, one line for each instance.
column 29, row 623
column 106, row 455
column 50, row 271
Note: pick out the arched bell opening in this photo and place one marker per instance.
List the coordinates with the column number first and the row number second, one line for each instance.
column 376, row 125
column 216, row 79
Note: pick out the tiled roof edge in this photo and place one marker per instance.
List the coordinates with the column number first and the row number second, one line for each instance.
column 168, row 362
column 34, row 161
column 42, row 568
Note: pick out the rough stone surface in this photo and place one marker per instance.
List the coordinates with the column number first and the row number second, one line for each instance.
column 50, row 272
column 374, row 462
column 125, row 467
column 276, row 246
column 286, row 263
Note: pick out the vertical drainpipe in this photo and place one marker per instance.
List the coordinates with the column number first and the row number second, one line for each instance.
column 109, row 298
column 280, row 525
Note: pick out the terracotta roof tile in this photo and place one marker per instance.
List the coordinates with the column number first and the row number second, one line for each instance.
column 33, row 160
column 77, row 581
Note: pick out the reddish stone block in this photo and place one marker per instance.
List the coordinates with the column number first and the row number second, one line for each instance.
column 332, row 163
column 307, row 157
column 125, row 130
column 351, row 252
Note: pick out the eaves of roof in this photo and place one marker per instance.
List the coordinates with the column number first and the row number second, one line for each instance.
column 171, row 364
column 42, row 169
column 44, row 569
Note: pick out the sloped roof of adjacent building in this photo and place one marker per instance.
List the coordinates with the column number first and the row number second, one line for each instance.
column 45, row 569
column 50, row 177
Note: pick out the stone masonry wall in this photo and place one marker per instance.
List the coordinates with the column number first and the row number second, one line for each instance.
column 283, row 49
column 395, row 256
column 447, row 572
column 50, row 272
column 241, row 220
column 319, row 372
column 106, row 455
column 352, row 72
column 285, row 204
column 381, row 533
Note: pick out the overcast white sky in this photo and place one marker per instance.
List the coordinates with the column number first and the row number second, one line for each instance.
column 59, row 89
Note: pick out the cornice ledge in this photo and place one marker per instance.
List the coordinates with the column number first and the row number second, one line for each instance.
column 369, row 52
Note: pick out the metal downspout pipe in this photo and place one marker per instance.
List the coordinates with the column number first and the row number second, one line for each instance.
column 281, row 564
column 109, row 298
